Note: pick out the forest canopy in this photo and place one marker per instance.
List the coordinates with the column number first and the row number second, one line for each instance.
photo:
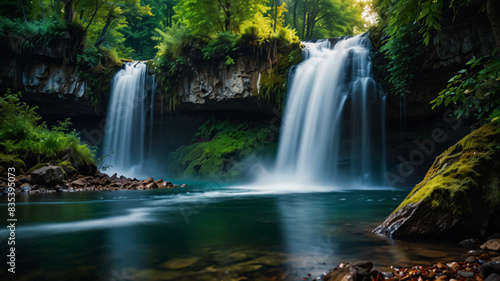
column 128, row 27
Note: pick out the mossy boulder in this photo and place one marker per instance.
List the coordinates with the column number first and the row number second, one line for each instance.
column 459, row 196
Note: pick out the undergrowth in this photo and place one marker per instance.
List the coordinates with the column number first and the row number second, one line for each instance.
column 219, row 148
column 25, row 143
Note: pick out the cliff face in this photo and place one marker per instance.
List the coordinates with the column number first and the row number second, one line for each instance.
column 40, row 77
column 45, row 81
column 224, row 87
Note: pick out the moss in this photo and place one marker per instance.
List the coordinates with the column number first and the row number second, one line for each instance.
column 463, row 174
column 220, row 146
column 9, row 160
column 273, row 82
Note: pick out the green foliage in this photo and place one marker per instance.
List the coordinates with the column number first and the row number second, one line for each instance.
column 401, row 20
column 31, row 143
column 225, row 44
column 209, row 18
column 219, row 147
column 97, row 67
column 397, row 14
column 173, row 41
column 474, row 89
column 326, row 18
column 396, row 64
column 27, row 35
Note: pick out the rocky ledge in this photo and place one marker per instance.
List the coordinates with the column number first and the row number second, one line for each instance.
column 477, row 265
column 53, row 179
column 459, row 196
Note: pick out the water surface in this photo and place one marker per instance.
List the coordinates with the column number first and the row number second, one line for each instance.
column 204, row 233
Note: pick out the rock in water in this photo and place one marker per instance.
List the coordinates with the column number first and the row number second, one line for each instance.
column 460, row 195
column 48, row 176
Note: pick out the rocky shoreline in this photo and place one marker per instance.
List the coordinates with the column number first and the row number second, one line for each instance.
column 52, row 179
column 480, row 264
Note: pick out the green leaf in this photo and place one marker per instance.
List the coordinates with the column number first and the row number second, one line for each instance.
column 495, row 114
column 447, row 101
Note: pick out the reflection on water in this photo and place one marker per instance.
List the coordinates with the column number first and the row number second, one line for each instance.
column 200, row 233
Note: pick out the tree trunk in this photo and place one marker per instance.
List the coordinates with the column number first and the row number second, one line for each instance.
column 304, row 19
column 22, row 9
column 227, row 21
column 43, row 12
column 68, row 11
column 104, row 32
column 295, row 15
column 493, row 7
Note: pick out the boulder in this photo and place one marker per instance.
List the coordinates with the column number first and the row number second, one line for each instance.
column 148, row 180
column 489, row 268
column 348, row 273
column 152, row 185
column 79, row 183
column 493, row 277
column 492, row 245
column 48, row 176
column 459, row 196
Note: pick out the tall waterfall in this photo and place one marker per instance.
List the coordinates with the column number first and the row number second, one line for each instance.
column 129, row 127
column 333, row 124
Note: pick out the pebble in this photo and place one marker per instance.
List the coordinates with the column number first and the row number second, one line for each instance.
column 454, row 265
column 476, row 252
column 470, row 259
column 466, row 274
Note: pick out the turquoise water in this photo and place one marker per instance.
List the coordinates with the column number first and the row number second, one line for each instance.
column 204, row 233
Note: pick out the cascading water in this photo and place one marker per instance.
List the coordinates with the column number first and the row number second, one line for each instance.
column 129, row 128
column 332, row 127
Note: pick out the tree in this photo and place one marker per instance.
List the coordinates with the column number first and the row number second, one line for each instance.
column 140, row 31
column 493, row 8
column 325, row 18
column 207, row 18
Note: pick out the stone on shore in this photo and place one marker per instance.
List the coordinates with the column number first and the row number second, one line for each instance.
column 493, row 277
column 489, row 268
column 48, row 176
column 348, row 273
column 492, row 245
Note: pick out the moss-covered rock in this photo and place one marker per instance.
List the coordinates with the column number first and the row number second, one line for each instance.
column 459, row 196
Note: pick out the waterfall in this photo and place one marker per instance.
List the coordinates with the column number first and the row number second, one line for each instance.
column 128, row 133
column 332, row 127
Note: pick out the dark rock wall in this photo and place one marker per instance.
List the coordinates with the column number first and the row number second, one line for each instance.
column 411, row 120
